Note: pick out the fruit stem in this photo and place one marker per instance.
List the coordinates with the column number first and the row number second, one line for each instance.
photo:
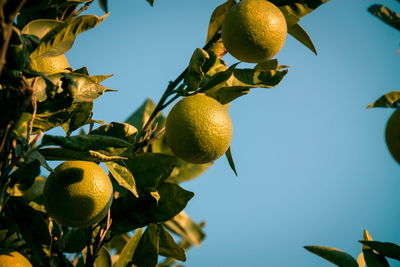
column 163, row 103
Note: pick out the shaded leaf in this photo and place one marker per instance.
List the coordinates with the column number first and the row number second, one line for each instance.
column 173, row 199
column 61, row 38
column 151, row 169
column 126, row 255
column 146, row 252
column 62, row 154
column 195, row 73
column 104, row 5
column 168, row 247
column 385, row 14
column 73, row 241
column 230, row 160
column 183, row 226
column 301, row 35
column 392, row 135
column 236, row 83
column 79, row 117
column 389, row 100
column 25, row 175
column 116, row 129
column 31, row 225
column 387, row 249
column 333, row 255
column 123, row 176
column 372, row 259
column 217, row 18
column 106, row 145
column 299, row 8
column 151, row 2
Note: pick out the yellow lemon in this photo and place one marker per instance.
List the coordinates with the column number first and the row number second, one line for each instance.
column 198, row 129
column 78, row 194
column 9, row 258
column 254, row 31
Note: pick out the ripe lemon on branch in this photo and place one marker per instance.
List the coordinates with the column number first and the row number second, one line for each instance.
column 198, row 129
column 254, row 31
column 13, row 258
column 78, row 194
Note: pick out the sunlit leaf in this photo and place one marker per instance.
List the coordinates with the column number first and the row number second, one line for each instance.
column 146, row 252
column 40, row 27
column 61, row 38
column 385, row 14
column 333, row 255
column 299, row 8
column 217, row 17
column 100, row 78
column 103, row 258
column 126, row 255
column 389, row 100
column 123, row 176
column 168, row 247
column 62, row 154
column 116, row 129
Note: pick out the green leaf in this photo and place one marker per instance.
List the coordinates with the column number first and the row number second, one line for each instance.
column 61, row 38
column 116, row 129
column 123, row 176
column 217, row 18
column 168, row 247
column 129, row 213
column 25, row 175
column 40, row 27
column 73, row 241
column 104, row 5
column 173, row 199
column 146, row 253
column 30, row 224
column 389, row 100
column 372, row 259
column 100, row 78
column 301, row 35
column 79, row 117
column 299, row 8
column 183, row 226
column 62, row 154
column 386, row 249
column 103, row 258
column 105, row 145
column 333, row 255
column 195, row 73
column 150, row 169
column 151, row 2
column 236, row 83
column 129, row 249
column 385, row 14
column 230, row 160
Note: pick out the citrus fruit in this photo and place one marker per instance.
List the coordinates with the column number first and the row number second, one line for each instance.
column 254, row 31
column 78, row 194
column 392, row 135
column 13, row 258
column 49, row 65
column 198, row 129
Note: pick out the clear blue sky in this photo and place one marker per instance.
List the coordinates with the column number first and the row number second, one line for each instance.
column 312, row 162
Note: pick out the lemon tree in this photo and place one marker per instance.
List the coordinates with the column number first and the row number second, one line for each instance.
column 116, row 196
column 78, row 194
